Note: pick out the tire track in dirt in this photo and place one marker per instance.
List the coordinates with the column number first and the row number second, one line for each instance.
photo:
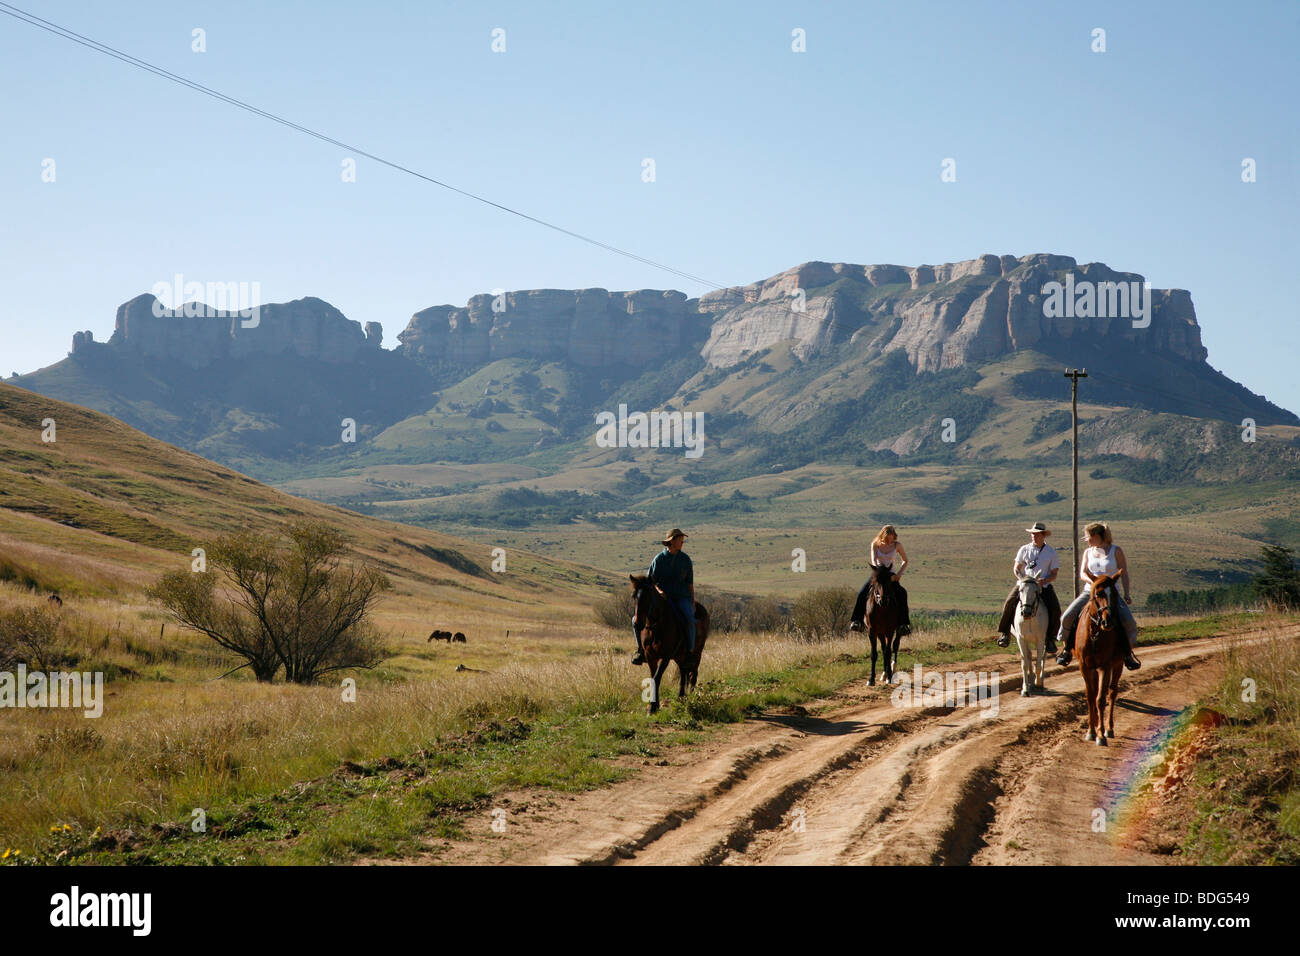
column 876, row 784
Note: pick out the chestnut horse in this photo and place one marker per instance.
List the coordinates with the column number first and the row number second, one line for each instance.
column 882, row 622
column 1101, row 656
column 663, row 636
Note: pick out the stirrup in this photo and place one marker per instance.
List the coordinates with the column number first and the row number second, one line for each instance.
column 1004, row 640
column 638, row 658
column 1064, row 657
column 857, row 626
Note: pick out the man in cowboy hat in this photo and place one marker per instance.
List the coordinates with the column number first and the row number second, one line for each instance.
column 1036, row 559
column 674, row 577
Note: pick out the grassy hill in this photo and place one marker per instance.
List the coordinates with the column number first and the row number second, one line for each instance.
column 104, row 509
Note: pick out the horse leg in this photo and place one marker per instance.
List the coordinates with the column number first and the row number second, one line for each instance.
column 1115, row 674
column 873, row 660
column 1026, row 663
column 893, row 667
column 1090, row 689
column 681, row 679
column 654, row 691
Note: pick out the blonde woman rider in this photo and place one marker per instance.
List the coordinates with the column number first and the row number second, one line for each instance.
column 884, row 549
column 1102, row 556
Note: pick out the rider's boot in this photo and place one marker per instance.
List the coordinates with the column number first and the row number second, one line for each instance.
column 639, row 657
column 1064, row 657
column 1004, row 640
column 1051, row 644
column 857, row 626
column 1130, row 659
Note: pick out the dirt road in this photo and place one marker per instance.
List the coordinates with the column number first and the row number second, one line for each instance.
column 874, row 783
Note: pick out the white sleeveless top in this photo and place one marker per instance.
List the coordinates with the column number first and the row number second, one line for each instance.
column 884, row 556
column 1100, row 561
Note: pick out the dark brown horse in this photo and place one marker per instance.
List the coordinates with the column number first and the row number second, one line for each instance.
column 1101, row 656
column 663, row 636
column 882, row 621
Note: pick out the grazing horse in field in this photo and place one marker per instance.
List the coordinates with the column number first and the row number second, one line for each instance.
column 1030, row 631
column 439, row 636
column 458, row 638
column 1101, row 656
column 882, row 622
column 663, row 636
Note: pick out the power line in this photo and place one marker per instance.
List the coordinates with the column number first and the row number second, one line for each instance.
column 92, row 44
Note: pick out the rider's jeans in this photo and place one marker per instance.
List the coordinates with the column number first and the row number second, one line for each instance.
column 686, row 607
column 1071, row 616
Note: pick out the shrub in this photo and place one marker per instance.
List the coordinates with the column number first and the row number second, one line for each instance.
column 297, row 607
column 822, row 613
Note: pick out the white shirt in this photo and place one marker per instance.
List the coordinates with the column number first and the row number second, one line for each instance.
column 1100, row 561
column 1037, row 562
column 884, row 557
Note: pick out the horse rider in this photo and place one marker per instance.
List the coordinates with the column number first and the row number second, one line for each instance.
column 673, row 576
column 1102, row 556
column 885, row 547
column 1037, row 559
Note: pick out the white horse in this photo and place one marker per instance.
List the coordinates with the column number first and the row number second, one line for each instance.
column 1030, row 630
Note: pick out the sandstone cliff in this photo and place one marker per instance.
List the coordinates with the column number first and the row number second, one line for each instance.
column 308, row 327
column 941, row 316
column 588, row 327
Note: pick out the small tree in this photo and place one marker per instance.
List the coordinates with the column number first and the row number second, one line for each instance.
column 30, row 636
column 1279, row 583
column 823, row 612
column 294, row 605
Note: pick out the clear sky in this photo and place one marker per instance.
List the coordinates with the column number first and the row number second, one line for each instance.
column 764, row 158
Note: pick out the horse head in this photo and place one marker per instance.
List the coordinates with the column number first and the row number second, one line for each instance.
column 645, row 607
column 1030, row 591
column 1104, row 596
column 884, row 574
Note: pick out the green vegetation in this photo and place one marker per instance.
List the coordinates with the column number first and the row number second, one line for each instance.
column 1246, row 804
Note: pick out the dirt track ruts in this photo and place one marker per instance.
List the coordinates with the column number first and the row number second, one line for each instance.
column 871, row 783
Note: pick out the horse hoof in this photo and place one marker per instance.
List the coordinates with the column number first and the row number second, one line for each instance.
column 1090, row 735
column 1025, row 692
column 1101, row 741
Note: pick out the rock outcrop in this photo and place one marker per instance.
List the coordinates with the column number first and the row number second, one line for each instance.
column 941, row 316
column 588, row 327
column 310, row 327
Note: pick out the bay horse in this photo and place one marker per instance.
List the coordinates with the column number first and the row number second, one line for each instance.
column 882, row 622
column 663, row 636
column 1101, row 656
column 1029, row 628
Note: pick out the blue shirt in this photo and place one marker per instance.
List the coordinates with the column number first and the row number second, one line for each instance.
column 673, row 573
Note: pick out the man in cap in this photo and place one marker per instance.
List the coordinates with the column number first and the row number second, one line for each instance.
column 1037, row 559
column 674, row 577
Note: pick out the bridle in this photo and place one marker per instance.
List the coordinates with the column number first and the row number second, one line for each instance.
column 1030, row 609
column 1103, row 619
column 881, row 593
column 653, row 618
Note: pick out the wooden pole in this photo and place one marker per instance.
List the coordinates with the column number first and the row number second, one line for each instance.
column 1074, row 374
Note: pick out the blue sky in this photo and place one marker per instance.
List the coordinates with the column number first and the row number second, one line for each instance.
column 765, row 158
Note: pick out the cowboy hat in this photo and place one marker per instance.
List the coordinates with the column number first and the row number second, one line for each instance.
column 675, row 533
column 1039, row 528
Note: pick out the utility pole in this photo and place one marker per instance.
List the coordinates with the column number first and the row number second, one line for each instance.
column 1074, row 374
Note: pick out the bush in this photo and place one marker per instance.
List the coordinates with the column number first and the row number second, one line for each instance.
column 295, row 606
column 614, row 610
column 1047, row 497
column 30, row 636
column 822, row 613
column 1279, row 583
